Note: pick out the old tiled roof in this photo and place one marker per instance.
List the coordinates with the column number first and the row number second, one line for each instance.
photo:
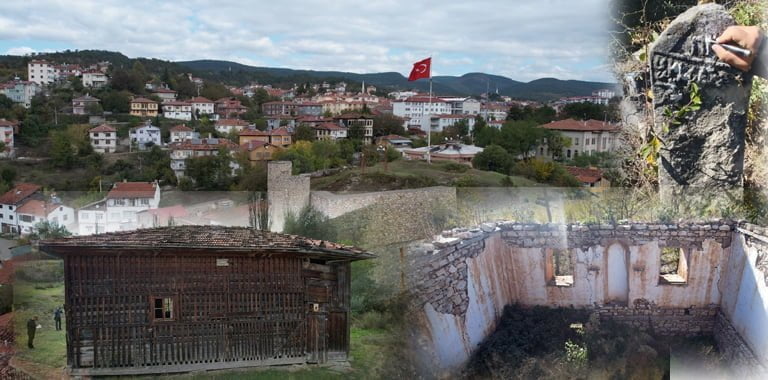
column 329, row 127
column 228, row 122
column 37, row 208
column 8, row 123
column 143, row 100
column 253, row 144
column 19, row 193
column 253, row 132
column 282, row 131
column 581, row 126
column 211, row 237
column 161, row 90
column 103, row 128
column 182, row 128
column 585, row 175
column 353, row 115
column 200, row 99
column 204, row 144
column 132, row 190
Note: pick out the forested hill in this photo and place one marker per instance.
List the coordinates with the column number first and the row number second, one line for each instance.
column 233, row 73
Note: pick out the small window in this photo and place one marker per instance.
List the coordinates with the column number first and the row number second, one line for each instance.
column 673, row 266
column 559, row 268
column 163, row 308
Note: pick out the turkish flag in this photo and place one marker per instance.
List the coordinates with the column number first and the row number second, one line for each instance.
column 421, row 69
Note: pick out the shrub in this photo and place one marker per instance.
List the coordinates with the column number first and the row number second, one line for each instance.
column 455, row 167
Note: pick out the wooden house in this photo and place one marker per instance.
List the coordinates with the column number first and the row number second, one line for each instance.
column 192, row 298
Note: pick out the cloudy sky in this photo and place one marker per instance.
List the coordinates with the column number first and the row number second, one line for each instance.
column 522, row 40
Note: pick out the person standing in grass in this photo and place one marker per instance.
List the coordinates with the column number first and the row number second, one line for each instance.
column 57, row 317
column 31, row 329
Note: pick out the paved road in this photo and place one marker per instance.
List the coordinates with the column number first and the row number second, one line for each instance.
column 5, row 245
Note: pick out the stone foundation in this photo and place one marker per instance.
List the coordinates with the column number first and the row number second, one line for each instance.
column 695, row 321
column 735, row 350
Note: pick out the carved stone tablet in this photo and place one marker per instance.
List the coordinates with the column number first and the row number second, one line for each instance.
column 705, row 148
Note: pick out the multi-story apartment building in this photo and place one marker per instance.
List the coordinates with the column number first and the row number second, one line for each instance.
column 41, row 72
column 229, row 108
column 416, row 107
column 94, row 78
column 353, row 120
column 177, row 110
column 7, row 130
column 226, row 126
column 144, row 107
column 92, row 218
column 587, row 137
column 463, row 106
column 165, row 94
column 279, row 137
column 330, row 131
column 438, row 123
column 103, row 139
column 494, row 111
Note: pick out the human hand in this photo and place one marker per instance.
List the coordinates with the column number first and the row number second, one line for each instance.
column 748, row 37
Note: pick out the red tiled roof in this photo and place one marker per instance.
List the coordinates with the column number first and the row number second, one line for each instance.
column 191, row 238
column 20, row 192
column 585, row 175
column 163, row 91
column 329, row 127
column 143, row 100
column 200, row 99
column 253, row 144
column 176, row 103
column 253, row 132
column 37, row 208
column 204, row 144
column 282, row 131
column 235, row 122
column 103, row 128
column 8, row 123
column 581, row 126
column 182, row 128
column 424, row 99
column 132, row 190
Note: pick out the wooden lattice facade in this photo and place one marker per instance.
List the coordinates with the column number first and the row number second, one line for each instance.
column 135, row 308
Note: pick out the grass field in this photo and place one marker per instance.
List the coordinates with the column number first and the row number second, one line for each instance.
column 48, row 358
column 405, row 174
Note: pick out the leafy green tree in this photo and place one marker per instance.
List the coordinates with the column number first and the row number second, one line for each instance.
column 310, row 223
column 584, row 111
column 211, row 172
column 493, row 158
column 117, row 102
column 50, row 230
column 520, row 138
column 127, row 80
column 304, row 133
column 63, row 153
column 556, row 142
column 387, row 124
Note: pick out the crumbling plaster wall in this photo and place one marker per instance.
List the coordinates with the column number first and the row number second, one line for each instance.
column 745, row 303
column 465, row 278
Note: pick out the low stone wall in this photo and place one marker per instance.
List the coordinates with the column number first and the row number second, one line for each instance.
column 334, row 205
column 734, row 349
column 693, row 321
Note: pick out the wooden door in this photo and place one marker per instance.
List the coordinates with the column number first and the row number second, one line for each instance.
column 317, row 352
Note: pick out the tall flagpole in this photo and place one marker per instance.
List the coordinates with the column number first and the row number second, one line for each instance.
column 429, row 116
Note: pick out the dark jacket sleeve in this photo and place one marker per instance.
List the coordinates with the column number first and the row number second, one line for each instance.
column 760, row 64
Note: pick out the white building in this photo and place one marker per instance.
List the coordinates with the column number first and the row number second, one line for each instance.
column 494, row 111
column 463, row 106
column 416, row 107
column 226, row 126
column 92, row 218
column 10, row 201
column 145, row 136
column 182, row 151
column 587, row 137
column 128, row 198
column 7, row 130
column 41, row 72
column 438, row 123
column 202, row 106
column 402, row 95
column 94, row 79
column 181, row 133
column 34, row 211
column 81, row 105
column 103, row 139
column 20, row 91
column 177, row 110
column 165, row 94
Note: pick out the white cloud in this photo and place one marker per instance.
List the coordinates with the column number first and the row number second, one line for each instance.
column 383, row 35
column 21, row 50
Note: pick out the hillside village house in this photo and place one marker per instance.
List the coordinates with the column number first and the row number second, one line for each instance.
column 352, row 120
column 144, row 107
column 7, row 130
column 10, row 201
column 177, row 110
column 181, row 151
column 587, row 137
column 165, row 94
column 34, row 211
column 103, row 139
column 455, row 152
column 201, row 106
column 203, row 298
column 20, row 91
column 279, row 137
column 182, row 133
column 94, row 79
column 258, row 151
column 92, row 218
column 329, row 131
column 229, row 108
column 126, row 199
column 145, row 136
column 589, row 177
column 417, row 107
column 81, row 105
column 336, row 107
column 290, row 122
column 226, row 126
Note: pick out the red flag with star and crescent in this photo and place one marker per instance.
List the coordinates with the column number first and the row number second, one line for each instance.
column 421, row 69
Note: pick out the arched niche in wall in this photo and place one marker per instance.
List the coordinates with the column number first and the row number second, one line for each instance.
column 617, row 274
